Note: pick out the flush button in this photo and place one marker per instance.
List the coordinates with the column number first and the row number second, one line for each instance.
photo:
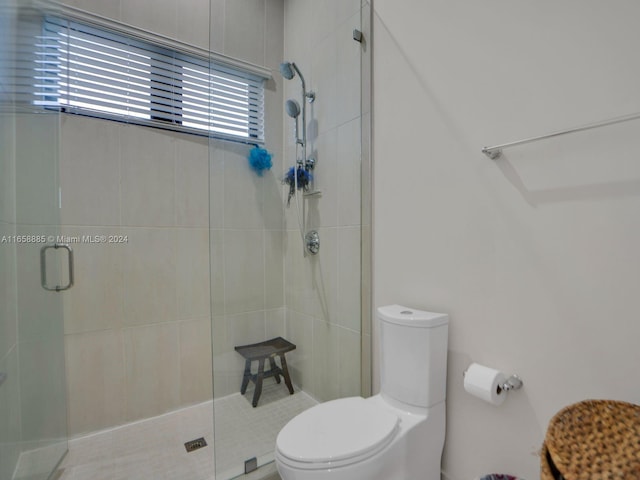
column 406, row 312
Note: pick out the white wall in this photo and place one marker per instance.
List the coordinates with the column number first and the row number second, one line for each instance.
column 535, row 256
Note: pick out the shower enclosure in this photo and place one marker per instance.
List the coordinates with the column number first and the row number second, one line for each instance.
column 264, row 285
column 138, row 357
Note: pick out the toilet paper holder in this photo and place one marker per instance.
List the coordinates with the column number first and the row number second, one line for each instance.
column 514, row 382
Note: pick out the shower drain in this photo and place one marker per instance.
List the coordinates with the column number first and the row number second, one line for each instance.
column 195, row 444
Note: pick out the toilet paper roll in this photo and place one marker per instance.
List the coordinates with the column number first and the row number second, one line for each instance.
column 485, row 383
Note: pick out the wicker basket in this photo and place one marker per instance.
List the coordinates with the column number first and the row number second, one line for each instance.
column 593, row 440
column 545, row 469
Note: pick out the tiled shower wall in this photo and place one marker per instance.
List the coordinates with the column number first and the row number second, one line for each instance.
column 246, row 209
column 138, row 321
column 137, row 325
column 323, row 293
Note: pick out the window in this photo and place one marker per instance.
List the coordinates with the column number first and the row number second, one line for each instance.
column 92, row 71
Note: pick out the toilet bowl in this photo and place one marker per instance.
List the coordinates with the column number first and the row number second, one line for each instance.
column 397, row 434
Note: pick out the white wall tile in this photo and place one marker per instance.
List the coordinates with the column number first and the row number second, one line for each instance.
column 244, row 30
column 274, row 34
column 300, row 291
column 349, row 344
column 326, row 275
column 216, row 266
column 36, row 169
column 96, row 380
column 246, row 328
column 152, row 366
column 346, row 9
column 348, row 65
column 299, row 331
column 274, row 269
column 192, row 283
column 40, row 313
column 96, row 299
column 275, row 322
column 216, row 183
column 349, row 281
column 192, row 187
column 323, row 19
column 195, row 361
column 325, row 360
column 243, row 270
column 89, row 171
column 324, row 81
column 217, row 25
column 220, row 338
column 105, row 8
column 151, row 15
column 243, row 190
column 298, row 41
column 323, row 210
column 192, row 22
column 41, row 362
column 147, row 177
column 227, row 374
column 149, row 276
column 349, row 176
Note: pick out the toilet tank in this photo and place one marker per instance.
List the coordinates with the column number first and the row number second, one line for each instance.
column 413, row 355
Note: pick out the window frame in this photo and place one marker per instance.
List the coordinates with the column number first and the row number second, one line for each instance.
column 174, row 101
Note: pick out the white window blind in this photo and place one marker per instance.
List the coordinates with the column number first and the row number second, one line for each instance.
column 93, row 71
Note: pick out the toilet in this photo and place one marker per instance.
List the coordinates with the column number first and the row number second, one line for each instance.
column 395, row 435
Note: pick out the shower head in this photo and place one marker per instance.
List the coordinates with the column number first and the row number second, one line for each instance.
column 287, row 70
column 293, row 108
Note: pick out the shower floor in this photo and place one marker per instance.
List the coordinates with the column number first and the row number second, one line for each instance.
column 153, row 449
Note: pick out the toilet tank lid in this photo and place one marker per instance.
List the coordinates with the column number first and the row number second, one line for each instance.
column 411, row 317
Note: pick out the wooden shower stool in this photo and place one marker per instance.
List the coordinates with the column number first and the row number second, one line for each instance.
column 262, row 351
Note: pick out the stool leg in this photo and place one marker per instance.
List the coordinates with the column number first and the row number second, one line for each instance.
column 246, row 376
column 285, row 373
column 259, row 378
column 274, row 368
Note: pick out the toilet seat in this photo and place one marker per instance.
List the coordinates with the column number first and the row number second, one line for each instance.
column 336, row 433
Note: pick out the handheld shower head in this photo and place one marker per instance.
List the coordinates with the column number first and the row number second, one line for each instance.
column 293, row 108
column 287, row 70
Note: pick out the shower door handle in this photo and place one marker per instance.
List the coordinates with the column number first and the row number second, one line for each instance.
column 43, row 267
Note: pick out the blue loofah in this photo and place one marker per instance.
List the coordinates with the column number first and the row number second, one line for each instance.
column 303, row 180
column 259, row 160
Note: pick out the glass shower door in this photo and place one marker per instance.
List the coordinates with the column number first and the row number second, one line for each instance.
column 33, row 417
column 42, row 272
